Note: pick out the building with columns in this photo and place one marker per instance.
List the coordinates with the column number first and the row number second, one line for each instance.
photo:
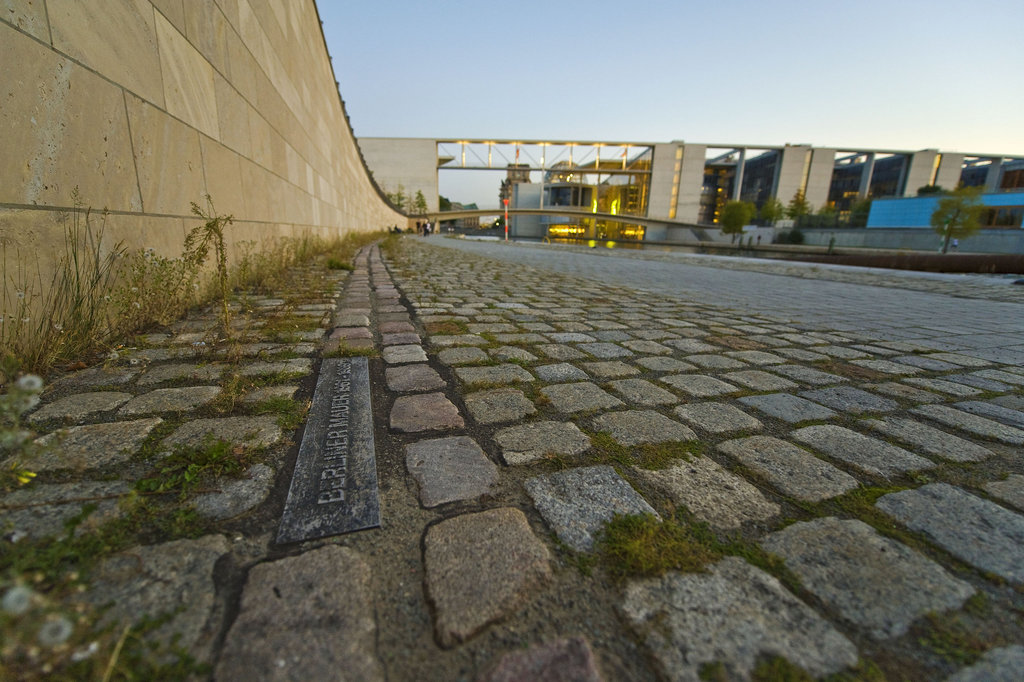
column 679, row 181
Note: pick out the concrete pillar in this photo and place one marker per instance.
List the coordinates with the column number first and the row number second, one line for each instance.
column 789, row 171
column 994, row 175
column 691, row 180
column 921, row 166
column 819, row 179
column 950, row 168
column 663, row 179
column 865, row 176
column 737, row 185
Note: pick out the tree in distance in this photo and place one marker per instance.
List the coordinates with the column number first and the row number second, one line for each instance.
column 958, row 215
column 398, row 198
column 772, row 210
column 859, row 213
column 419, row 204
column 827, row 215
column 925, row 190
column 798, row 206
column 736, row 214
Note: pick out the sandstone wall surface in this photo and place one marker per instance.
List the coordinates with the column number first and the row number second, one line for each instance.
column 148, row 105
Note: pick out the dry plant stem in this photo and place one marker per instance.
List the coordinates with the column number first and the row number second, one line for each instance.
column 197, row 246
column 41, row 325
column 116, row 654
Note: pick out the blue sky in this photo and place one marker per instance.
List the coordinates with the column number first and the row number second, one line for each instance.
column 901, row 74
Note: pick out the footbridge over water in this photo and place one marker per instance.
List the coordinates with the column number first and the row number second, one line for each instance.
column 570, row 223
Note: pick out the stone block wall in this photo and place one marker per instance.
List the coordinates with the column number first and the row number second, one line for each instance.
column 148, row 105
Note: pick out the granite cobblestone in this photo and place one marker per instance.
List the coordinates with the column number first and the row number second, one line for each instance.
column 543, row 359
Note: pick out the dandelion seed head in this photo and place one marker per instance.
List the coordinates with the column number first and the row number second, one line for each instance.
column 17, row 600
column 55, row 631
column 30, row 382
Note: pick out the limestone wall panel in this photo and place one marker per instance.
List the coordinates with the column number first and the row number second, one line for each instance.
column 295, row 165
column 163, row 234
column 173, row 11
column 188, row 80
column 148, row 105
column 252, row 33
column 254, row 185
column 36, row 238
column 243, row 68
column 232, row 117
column 259, row 138
column 26, row 234
column 116, row 38
column 207, row 30
column 29, row 16
column 224, row 178
column 167, row 159
column 270, row 22
column 68, row 129
column 230, row 10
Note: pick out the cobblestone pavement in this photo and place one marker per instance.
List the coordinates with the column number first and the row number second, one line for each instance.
column 844, row 458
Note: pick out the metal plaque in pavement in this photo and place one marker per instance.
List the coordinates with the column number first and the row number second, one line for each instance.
column 334, row 487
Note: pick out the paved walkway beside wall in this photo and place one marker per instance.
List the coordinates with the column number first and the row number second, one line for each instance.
column 851, row 451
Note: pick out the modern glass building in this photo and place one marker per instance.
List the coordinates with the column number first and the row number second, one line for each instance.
column 600, row 184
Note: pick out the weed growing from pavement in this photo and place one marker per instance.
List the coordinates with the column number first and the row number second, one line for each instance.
column 188, row 467
column 447, row 328
column 235, row 387
column 287, row 322
column 290, row 412
column 778, row 669
column 335, row 264
column 643, row 546
column 606, row 450
column 345, row 351
column 946, row 635
column 65, row 318
column 713, row 672
column 100, row 292
column 864, row 671
column 197, row 247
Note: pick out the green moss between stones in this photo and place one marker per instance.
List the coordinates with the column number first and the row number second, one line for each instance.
column 642, row 546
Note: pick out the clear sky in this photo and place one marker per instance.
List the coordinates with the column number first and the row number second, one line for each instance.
column 899, row 74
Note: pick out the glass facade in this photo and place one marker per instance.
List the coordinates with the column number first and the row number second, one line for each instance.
column 759, row 178
column 618, row 187
column 716, row 190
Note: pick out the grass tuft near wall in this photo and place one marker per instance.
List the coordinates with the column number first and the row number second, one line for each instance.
column 101, row 292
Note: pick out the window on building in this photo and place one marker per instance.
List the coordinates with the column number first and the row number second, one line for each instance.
column 1003, row 216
